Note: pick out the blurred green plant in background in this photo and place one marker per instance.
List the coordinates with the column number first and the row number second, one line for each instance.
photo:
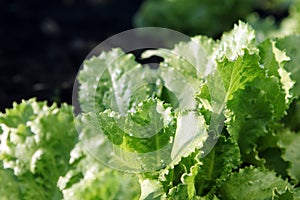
column 213, row 17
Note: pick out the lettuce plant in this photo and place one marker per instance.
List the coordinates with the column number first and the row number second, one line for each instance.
column 36, row 141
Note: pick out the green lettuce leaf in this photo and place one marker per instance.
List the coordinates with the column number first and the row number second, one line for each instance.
column 290, row 142
column 271, row 153
column 217, row 165
column 252, row 183
column 151, row 126
column 88, row 179
column 291, row 44
column 292, row 119
column 234, row 43
column 236, row 74
column 114, row 80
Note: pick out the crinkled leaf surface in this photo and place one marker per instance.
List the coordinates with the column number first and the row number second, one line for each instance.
column 88, row 179
column 252, row 183
column 36, row 141
column 290, row 142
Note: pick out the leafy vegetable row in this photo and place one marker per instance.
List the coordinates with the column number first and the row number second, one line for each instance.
column 252, row 86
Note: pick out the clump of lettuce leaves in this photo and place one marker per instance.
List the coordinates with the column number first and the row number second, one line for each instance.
column 253, row 85
column 258, row 92
column 35, row 145
column 258, row 89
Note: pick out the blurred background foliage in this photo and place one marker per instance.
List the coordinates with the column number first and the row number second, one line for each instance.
column 212, row 17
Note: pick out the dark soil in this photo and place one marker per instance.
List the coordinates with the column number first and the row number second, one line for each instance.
column 43, row 43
